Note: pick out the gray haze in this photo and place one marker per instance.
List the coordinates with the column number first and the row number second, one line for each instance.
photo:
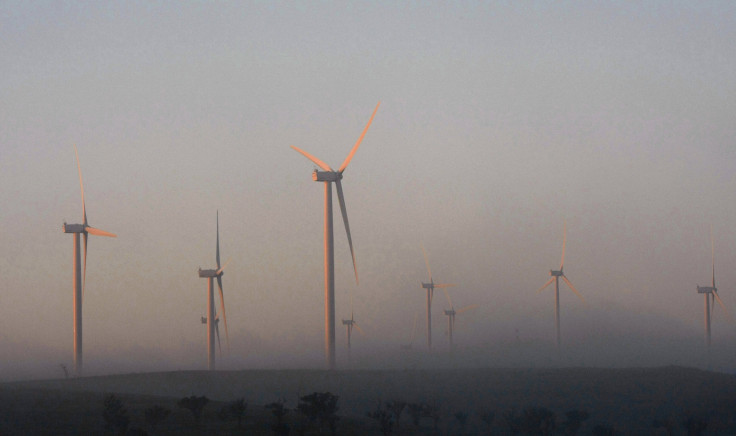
column 497, row 123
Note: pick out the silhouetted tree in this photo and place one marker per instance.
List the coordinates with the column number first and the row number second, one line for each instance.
column 432, row 411
column 397, row 408
column 115, row 415
column 667, row 424
column 385, row 418
column 195, row 405
column 279, row 411
column 233, row 410
column 538, row 421
column 155, row 415
column 415, row 411
column 488, row 416
column 694, row 425
column 320, row 407
column 512, row 419
column 603, row 430
column 575, row 419
column 462, row 419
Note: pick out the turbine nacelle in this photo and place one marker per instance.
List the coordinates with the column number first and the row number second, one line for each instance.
column 554, row 273
column 428, row 285
column 706, row 289
column 326, row 176
column 348, row 322
column 210, row 273
column 74, row 228
column 450, row 312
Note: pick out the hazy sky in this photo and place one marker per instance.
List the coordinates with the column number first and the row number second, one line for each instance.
column 498, row 122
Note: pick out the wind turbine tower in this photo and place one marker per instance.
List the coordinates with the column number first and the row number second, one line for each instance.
column 555, row 277
column 711, row 293
column 328, row 176
column 430, row 287
column 451, row 313
column 210, row 275
column 80, row 273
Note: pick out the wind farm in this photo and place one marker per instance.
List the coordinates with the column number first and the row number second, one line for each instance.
column 496, row 124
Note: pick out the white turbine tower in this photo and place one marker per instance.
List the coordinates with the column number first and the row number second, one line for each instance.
column 430, row 287
column 556, row 274
column 711, row 293
column 212, row 319
column 80, row 276
column 328, row 175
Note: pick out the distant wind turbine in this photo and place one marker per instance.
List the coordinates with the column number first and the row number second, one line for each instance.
column 328, row 175
column 555, row 278
column 80, row 276
column 451, row 316
column 430, row 287
column 711, row 293
column 349, row 324
column 212, row 319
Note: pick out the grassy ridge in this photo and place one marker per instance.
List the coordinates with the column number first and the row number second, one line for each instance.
column 628, row 399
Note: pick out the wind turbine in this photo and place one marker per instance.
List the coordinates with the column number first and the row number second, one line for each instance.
column 451, row 316
column 217, row 331
column 430, row 287
column 80, row 276
column 212, row 319
column 556, row 274
column 328, row 175
column 349, row 324
column 711, row 293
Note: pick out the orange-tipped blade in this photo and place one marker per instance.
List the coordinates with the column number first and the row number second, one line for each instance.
column 81, row 184
column 224, row 266
column 467, row 308
column 552, row 279
column 98, row 232
column 728, row 313
column 355, row 324
column 445, row 285
column 217, row 247
column 357, row 144
column 449, row 300
column 224, row 315
column 573, row 288
column 426, row 261
column 317, row 162
column 564, row 239
column 341, row 199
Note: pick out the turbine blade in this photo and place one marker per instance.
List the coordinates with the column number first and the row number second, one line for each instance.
column 341, row 199
column 426, row 261
column 449, row 300
column 224, row 315
column 81, row 185
column 728, row 313
column 564, row 239
column 224, row 266
column 467, row 308
column 552, row 279
column 217, row 249
column 573, row 288
column 84, row 266
column 217, row 332
column 318, row 162
column 98, row 232
column 445, row 285
column 355, row 324
column 357, row 144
